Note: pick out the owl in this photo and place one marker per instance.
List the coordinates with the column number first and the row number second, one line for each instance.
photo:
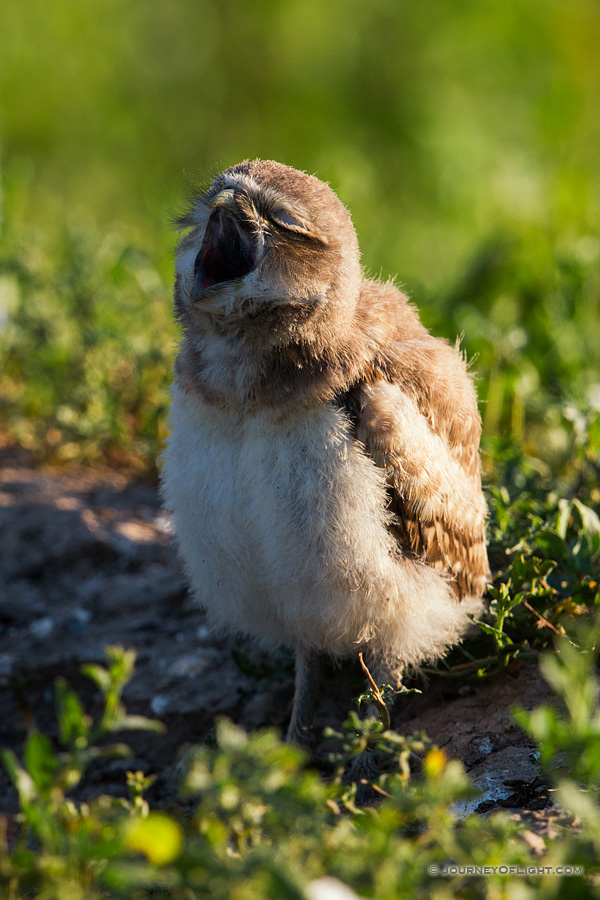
column 322, row 468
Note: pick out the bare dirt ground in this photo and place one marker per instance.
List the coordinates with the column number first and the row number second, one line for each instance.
column 87, row 559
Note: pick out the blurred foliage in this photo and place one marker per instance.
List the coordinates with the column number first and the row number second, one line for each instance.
column 528, row 305
column 575, row 725
column 86, row 347
column 87, row 343
column 436, row 123
column 71, row 842
column 265, row 825
column 464, row 139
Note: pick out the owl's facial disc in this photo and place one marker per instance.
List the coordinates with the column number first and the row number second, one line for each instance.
column 229, row 251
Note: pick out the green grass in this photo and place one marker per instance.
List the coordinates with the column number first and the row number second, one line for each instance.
column 87, row 347
column 264, row 825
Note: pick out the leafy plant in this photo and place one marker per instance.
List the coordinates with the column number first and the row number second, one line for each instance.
column 62, row 845
column 266, row 825
column 86, row 347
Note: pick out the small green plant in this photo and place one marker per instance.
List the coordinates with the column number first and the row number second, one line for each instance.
column 62, row 846
column 544, row 549
column 569, row 735
column 266, row 825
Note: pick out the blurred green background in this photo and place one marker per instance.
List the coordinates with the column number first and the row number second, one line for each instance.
column 464, row 138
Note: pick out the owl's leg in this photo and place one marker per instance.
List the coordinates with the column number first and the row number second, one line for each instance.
column 368, row 765
column 308, row 672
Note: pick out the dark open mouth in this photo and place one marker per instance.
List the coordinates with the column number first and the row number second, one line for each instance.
column 228, row 251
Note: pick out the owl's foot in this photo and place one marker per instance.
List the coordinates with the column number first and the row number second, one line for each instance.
column 364, row 771
column 308, row 677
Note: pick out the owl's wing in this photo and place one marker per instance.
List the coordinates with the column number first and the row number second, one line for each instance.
column 423, row 429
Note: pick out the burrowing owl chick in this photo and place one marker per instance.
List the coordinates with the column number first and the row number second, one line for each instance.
column 323, row 463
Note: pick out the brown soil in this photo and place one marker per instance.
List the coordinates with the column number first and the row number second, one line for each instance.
column 87, row 559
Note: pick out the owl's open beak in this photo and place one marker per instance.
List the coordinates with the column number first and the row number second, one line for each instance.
column 228, row 251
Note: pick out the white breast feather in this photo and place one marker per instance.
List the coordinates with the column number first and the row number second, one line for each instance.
column 282, row 527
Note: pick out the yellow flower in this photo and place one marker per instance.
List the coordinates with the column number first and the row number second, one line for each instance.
column 435, row 763
column 157, row 836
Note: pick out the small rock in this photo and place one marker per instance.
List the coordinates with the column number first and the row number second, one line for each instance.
column 42, row 628
column 82, row 615
column 159, row 704
column 7, row 662
column 78, row 621
column 497, row 775
column 328, row 888
column 486, row 746
column 193, row 663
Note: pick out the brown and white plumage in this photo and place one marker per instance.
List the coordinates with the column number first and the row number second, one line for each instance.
column 323, row 465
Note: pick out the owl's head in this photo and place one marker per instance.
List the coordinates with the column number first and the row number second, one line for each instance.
column 266, row 242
